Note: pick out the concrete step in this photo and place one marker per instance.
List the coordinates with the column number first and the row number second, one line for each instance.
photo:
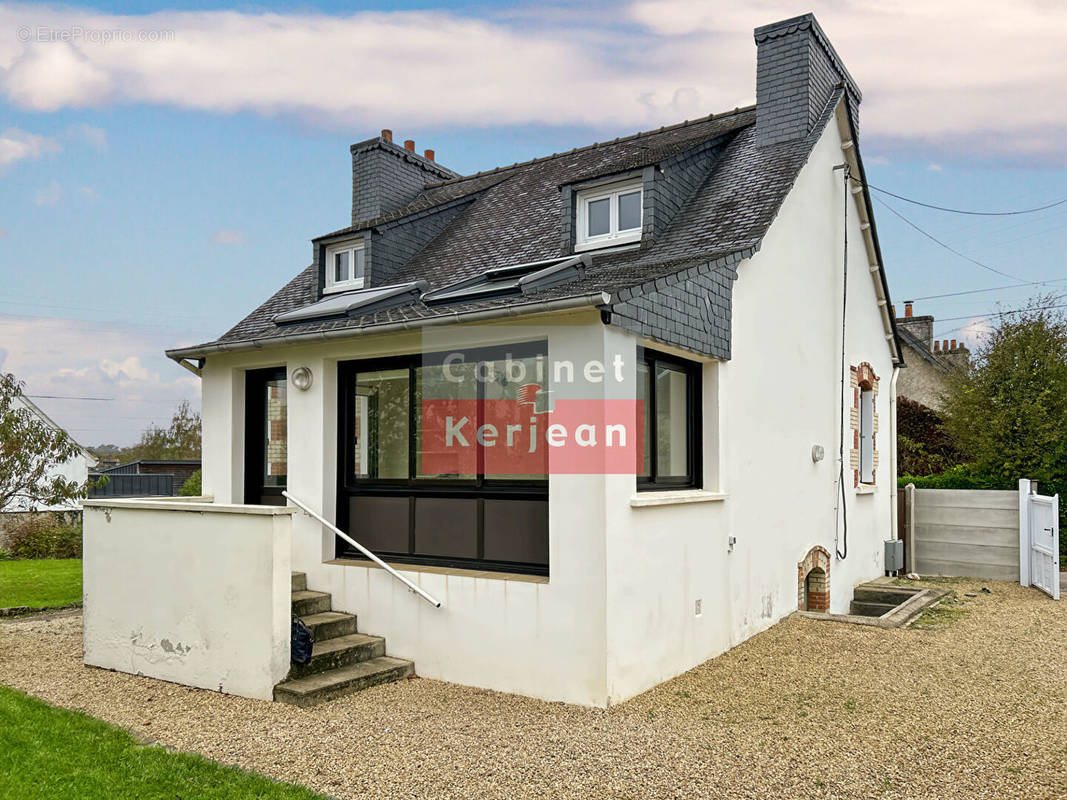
column 305, row 602
column 300, row 581
column 325, row 686
column 329, row 625
column 865, row 609
column 340, row 651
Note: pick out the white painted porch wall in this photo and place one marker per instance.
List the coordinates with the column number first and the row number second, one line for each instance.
column 779, row 395
column 195, row 593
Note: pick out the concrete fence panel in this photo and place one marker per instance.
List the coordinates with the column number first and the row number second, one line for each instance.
column 192, row 592
column 966, row 532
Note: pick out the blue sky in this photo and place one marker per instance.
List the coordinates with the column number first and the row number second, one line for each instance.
column 152, row 197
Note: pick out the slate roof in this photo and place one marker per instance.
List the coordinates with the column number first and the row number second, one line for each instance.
column 517, row 215
column 913, row 341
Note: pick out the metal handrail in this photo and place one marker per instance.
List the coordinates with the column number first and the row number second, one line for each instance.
column 429, row 598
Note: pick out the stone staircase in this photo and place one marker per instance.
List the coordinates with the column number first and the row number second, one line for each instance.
column 342, row 660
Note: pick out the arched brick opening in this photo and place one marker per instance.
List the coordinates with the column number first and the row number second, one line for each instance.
column 813, row 581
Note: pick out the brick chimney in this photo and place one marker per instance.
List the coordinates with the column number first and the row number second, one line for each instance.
column 797, row 71
column 386, row 176
column 921, row 327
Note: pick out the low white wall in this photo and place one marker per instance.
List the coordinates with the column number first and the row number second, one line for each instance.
column 966, row 532
column 190, row 592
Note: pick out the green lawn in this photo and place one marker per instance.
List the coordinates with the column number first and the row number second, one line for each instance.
column 52, row 753
column 40, row 582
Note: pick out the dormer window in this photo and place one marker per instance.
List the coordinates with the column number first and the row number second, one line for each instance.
column 345, row 267
column 609, row 215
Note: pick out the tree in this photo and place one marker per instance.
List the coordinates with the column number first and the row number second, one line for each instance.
column 180, row 440
column 923, row 445
column 1008, row 411
column 30, row 452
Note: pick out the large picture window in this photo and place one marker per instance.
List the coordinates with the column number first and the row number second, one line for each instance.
column 668, row 391
column 412, row 496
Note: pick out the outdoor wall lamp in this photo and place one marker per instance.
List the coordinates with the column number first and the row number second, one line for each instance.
column 301, row 378
column 817, row 453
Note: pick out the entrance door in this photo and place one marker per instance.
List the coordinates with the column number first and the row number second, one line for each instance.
column 266, row 440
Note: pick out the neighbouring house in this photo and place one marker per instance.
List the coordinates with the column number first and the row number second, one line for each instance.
column 589, row 405
column 146, row 477
column 929, row 361
column 75, row 469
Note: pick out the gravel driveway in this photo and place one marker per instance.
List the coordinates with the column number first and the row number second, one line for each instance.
column 971, row 707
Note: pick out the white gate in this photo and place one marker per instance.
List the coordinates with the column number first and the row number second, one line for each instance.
column 1039, row 540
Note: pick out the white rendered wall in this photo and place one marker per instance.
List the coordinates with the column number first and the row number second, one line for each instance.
column 778, row 396
column 194, row 593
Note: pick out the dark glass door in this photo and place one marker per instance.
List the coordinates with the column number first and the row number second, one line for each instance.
column 266, row 437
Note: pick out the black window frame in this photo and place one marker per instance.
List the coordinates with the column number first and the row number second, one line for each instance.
column 694, row 371
column 256, row 492
column 479, row 488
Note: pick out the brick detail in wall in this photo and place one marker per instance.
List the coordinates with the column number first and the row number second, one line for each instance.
column 813, row 581
column 862, row 377
column 688, row 309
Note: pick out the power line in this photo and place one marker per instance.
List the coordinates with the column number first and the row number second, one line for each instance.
column 1001, row 313
column 66, row 397
column 952, row 250
column 994, row 289
column 964, row 211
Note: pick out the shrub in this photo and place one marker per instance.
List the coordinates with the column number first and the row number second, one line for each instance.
column 191, row 488
column 959, row 477
column 45, row 537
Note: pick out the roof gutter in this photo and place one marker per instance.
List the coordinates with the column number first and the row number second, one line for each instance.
column 591, row 299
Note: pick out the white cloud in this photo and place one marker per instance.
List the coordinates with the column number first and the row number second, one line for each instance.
column 958, row 76
column 48, row 195
column 93, row 136
column 934, row 167
column 228, row 236
column 18, row 145
column 84, row 359
column 89, row 193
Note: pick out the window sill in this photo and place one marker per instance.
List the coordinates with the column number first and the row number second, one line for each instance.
column 456, row 572
column 679, row 497
column 605, row 244
column 866, row 488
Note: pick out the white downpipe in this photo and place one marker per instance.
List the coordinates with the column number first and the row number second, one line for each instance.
column 429, row 598
column 894, row 521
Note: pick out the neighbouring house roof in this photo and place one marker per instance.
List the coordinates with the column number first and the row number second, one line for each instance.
column 36, row 410
column 911, row 340
column 154, row 462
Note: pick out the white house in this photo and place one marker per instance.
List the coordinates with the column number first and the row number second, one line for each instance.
column 433, row 385
column 75, row 469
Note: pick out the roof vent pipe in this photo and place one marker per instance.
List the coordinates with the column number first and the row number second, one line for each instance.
column 409, row 145
column 429, row 154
